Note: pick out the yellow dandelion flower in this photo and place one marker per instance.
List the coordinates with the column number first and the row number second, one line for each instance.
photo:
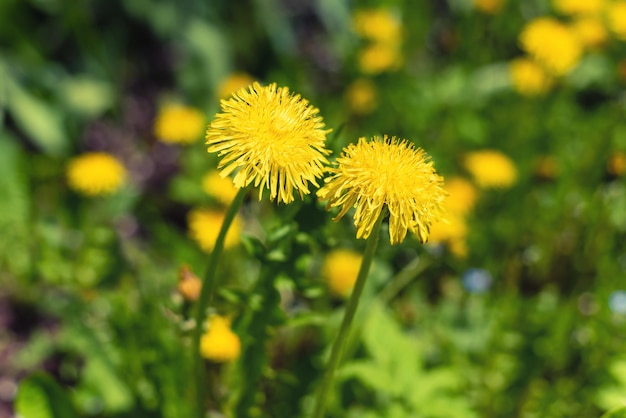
column 378, row 25
column 579, row 7
column 271, row 138
column 177, row 124
column 379, row 57
column 590, row 31
column 204, row 227
column 462, row 195
column 552, row 44
column 491, row 169
column 489, row 6
column 362, row 96
column 233, row 83
column 529, row 78
column 340, row 270
column 219, row 343
column 616, row 16
column 189, row 285
column 391, row 173
column 221, row 188
column 616, row 164
column 452, row 228
column 95, row 174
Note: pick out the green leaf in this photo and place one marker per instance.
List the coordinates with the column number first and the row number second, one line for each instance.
column 40, row 396
column 86, row 95
column 619, row 412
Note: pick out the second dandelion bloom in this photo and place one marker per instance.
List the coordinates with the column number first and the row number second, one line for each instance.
column 386, row 173
column 491, row 169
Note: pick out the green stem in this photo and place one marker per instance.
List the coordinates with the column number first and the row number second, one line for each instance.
column 209, row 285
column 404, row 278
column 348, row 316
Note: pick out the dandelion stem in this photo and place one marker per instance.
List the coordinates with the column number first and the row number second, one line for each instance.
column 209, row 285
column 344, row 329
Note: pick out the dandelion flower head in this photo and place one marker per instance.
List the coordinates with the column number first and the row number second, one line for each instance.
column 591, row 31
column 489, row 6
column 529, row 78
column 379, row 58
column 616, row 16
column 221, row 188
column 361, row 96
column 462, row 195
column 233, row 83
column 204, row 227
column 552, row 44
column 340, row 270
column 95, row 174
column 377, row 25
column 391, row 173
column 579, row 7
column 220, row 344
column 177, row 124
column 491, row 169
column 452, row 232
column 271, row 138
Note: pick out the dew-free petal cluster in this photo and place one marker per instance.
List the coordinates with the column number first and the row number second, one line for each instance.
column 529, row 78
column 340, row 270
column 220, row 344
column 204, row 227
column 491, row 169
column 386, row 173
column 178, row 124
column 95, row 174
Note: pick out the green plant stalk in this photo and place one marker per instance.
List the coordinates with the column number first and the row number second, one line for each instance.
column 209, row 285
column 348, row 316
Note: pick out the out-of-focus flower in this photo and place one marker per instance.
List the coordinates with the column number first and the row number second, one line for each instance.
column 204, row 227
column 546, row 167
column 476, row 280
column 189, row 285
column 362, row 96
column 233, row 83
column 452, row 231
column 271, row 138
column 95, row 174
column 221, row 188
column 386, row 173
column 552, row 44
column 177, row 124
column 379, row 57
column 617, row 302
column 489, row 6
column 529, row 78
column 591, row 31
column 462, row 195
column 579, row 7
column 616, row 16
column 219, row 343
column 491, row 169
column 378, row 25
column 340, row 270
column 616, row 164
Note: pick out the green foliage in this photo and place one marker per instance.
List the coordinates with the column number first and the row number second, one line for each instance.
column 40, row 396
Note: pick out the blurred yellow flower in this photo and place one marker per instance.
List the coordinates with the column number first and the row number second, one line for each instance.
column 221, row 188
column 378, row 58
column 204, row 227
column 270, row 138
column 386, row 173
column 233, row 83
column 616, row 163
column 177, row 124
column 340, row 270
column 551, row 44
column 461, row 195
column 219, row 343
column 362, row 96
column 189, row 285
column 529, row 78
column 378, row 25
column 452, row 232
column 616, row 16
column 491, row 169
column 95, row 174
column 579, row 7
column 489, row 6
column 590, row 31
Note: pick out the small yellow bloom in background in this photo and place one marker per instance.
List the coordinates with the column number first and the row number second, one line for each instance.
column 189, row 285
column 462, row 195
column 386, row 173
column 204, row 227
column 378, row 58
column 95, row 174
column 233, row 83
column 362, row 96
column 616, row 16
column 452, row 232
column 529, row 78
column 489, row 6
column 271, row 138
column 616, row 163
column 177, row 124
column 221, row 188
column 579, row 7
column 219, row 343
column 340, row 270
column 491, row 169
column 591, row 31
column 378, row 25
column 552, row 44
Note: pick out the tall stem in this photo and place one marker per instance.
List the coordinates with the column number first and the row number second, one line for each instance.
column 209, row 285
column 348, row 316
